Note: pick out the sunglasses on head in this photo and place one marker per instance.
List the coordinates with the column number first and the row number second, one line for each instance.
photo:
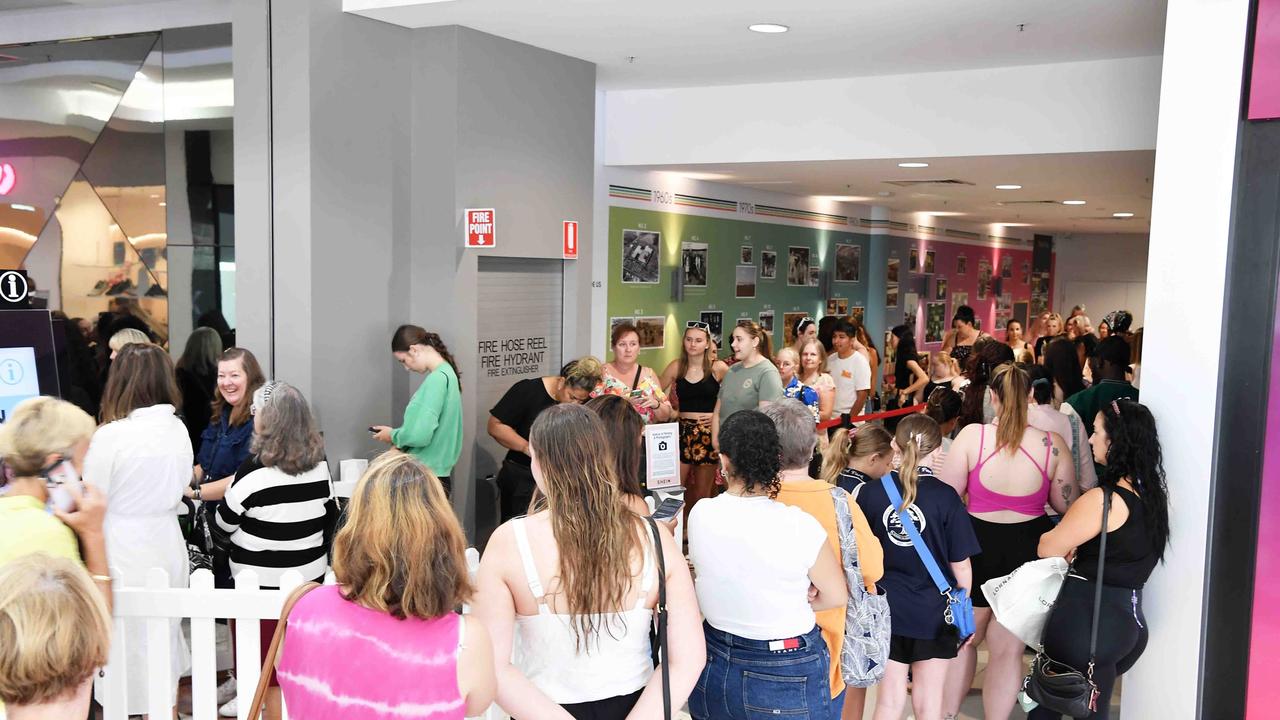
column 698, row 324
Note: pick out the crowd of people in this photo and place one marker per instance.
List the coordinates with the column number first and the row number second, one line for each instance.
column 802, row 519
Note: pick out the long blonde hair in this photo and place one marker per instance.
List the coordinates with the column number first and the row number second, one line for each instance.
column 595, row 533
column 1011, row 385
column 865, row 441
column 917, row 436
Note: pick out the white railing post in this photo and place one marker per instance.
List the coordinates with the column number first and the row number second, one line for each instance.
column 248, row 652
column 160, row 697
column 114, row 677
column 204, row 652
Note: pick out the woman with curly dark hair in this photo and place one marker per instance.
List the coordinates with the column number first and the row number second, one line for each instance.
column 988, row 354
column 755, row 560
column 1126, row 444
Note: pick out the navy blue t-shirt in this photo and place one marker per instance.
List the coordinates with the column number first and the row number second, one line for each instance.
column 849, row 479
column 915, row 605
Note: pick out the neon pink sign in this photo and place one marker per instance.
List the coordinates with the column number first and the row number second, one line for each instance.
column 8, row 178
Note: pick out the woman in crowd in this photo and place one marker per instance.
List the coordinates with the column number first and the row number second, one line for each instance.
column 827, row 328
column 909, row 378
column 1104, row 329
column 796, row 440
column 988, row 356
column 1042, row 415
column 1063, row 364
column 1009, row 470
column 804, row 331
column 141, row 459
column 696, row 377
column 43, row 444
column 1062, row 367
column 627, row 378
column 873, row 357
column 224, row 445
column 1126, row 444
column 55, row 632
column 1013, row 337
column 813, row 373
column 625, row 432
column 127, row 336
column 943, row 405
column 963, row 336
column 1051, row 329
column 387, row 640
column 512, row 418
column 753, row 381
column 788, row 363
column 943, row 372
column 922, row 642
column 858, row 456
column 432, row 427
column 197, row 372
column 763, row 570
column 579, row 579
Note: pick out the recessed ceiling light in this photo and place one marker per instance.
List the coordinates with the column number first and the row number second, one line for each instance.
column 844, row 198
column 155, row 196
column 1122, row 215
column 1008, row 187
column 1003, row 224
column 705, row 176
column 1073, row 202
column 942, row 213
column 768, row 28
column 885, row 193
column 163, row 204
column 26, row 208
column 913, row 164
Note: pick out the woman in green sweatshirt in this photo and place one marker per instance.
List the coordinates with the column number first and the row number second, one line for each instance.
column 432, row 428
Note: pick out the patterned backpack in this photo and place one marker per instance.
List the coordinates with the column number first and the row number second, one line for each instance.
column 865, row 653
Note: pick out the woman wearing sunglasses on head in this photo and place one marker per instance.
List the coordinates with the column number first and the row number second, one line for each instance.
column 696, row 377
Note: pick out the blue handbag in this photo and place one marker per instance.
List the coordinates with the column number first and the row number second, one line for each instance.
column 959, row 612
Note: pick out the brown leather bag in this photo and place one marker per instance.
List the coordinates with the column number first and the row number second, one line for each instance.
column 269, row 662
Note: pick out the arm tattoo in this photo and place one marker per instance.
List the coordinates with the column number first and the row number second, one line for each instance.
column 1066, row 492
column 1055, row 450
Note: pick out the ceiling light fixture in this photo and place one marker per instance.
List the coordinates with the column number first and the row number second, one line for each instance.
column 163, row 204
column 913, row 164
column 845, row 198
column 768, row 28
column 942, row 213
column 1073, row 202
column 1122, row 215
column 1008, row 187
column 25, row 208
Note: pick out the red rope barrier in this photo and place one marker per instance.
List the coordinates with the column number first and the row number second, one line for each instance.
column 837, row 422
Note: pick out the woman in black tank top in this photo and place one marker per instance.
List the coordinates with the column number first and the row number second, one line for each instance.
column 695, row 377
column 1125, row 443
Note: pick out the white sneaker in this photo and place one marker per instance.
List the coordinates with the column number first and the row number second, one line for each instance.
column 227, row 690
column 228, row 710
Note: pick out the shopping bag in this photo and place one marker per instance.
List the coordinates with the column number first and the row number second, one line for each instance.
column 1021, row 600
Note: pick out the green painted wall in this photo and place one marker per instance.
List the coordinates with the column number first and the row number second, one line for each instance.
column 724, row 238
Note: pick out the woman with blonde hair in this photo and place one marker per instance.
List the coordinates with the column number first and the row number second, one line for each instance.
column 387, row 639
column 922, row 640
column 127, row 336
column 578, row 579
column 696, row 377
column 813, row 373
column 1009, row 470
column 141, row 458
column 857, row 456
column 55, row 632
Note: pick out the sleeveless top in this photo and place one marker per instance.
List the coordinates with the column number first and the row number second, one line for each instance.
column 1130, row 557
column 344, row 660
column 699, row 397
column 983, row 499
column 615, row 661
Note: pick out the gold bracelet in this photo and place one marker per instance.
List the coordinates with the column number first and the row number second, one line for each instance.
column 101, row 578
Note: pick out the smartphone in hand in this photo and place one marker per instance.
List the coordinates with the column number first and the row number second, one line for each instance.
column 668, row 508
column 62, row 476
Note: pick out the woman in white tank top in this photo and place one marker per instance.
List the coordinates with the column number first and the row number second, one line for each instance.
column 572, row 589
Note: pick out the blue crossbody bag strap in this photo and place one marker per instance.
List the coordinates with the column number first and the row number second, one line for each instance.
column 917, row 542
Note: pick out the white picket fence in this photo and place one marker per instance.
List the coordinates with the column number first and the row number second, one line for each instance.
column 202, row 604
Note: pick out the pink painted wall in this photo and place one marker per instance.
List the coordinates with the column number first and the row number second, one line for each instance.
column 1264, row 83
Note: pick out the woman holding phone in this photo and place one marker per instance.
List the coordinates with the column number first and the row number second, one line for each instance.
column 626, row 377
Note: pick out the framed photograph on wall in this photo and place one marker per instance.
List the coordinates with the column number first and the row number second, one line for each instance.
column 891, row 295
column 641, row 252
column 940, row 289
column 848, row 262
column 842, row 306
column 1026, row 273
column 814, row 272
column 653, row 332
column 928, row 262
column 913, row 260
column 1006, row 266
column 768, row 264
column 910, row 307
column 614, row 322
column 693, row 258
column 958, row 299
column 797, row 266
column 748, row 254
column 715, row 322
column 935, row 321
column 858, row 312
column 962, row 265
column 766, row 321
column 745, row 281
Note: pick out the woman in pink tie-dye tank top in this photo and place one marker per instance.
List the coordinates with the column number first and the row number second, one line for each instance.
column 386, row 642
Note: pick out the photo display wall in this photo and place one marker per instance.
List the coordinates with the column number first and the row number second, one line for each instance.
column 733, row 269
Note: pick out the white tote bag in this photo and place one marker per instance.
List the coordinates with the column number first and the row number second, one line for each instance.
column 1022, row 599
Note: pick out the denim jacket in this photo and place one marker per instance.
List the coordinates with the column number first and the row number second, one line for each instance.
column 224, row 447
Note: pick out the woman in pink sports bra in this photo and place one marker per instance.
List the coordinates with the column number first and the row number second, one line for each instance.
column 1009, row 471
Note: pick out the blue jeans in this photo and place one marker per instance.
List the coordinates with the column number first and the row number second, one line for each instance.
column 745, row 680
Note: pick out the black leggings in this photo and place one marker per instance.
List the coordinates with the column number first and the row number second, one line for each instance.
column 516, row 487
column 1122, row 636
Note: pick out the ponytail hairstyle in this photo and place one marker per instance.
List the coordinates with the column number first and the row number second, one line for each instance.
column 987, row 355
column 943, row 405
column 1134, row 453
column 754, row 330
column 848, row 444
column 1011, row 386
column 917, row 436
column 406, row 336
column 1041, row 382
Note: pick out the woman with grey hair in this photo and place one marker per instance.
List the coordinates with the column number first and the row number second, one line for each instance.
column 794, row 423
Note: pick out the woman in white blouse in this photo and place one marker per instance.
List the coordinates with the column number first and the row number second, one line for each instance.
column 141, row 460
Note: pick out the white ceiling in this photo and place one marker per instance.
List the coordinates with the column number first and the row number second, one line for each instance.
column 1108, row 182
column 706, row 42
column 41, row 4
